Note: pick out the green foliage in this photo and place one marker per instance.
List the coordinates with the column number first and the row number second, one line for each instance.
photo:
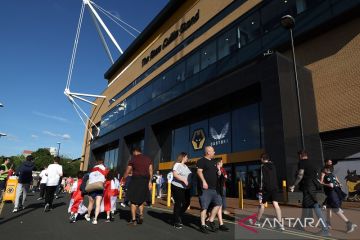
column 43, row 158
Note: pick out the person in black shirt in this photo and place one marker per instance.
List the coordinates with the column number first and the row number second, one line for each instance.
column 334, row 196
column 308, row 179
column 208, row 174
column 269, row 190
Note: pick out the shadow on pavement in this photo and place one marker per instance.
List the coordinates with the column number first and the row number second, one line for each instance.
column 188, row 220
column 30, row 208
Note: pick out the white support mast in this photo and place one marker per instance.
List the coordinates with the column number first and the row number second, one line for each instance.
column 72, row 96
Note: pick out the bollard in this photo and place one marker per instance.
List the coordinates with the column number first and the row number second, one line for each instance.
column 169, row 195
column 153, row 193
column 285, row 191
column 241, row 195
column 120, row 192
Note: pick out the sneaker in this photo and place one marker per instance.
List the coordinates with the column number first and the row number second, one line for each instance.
column 40, row 198
column 350, row 227
column 87, row 217
column 212, row 227
column 280, row 227
column 140, row 220
column 72, row 218
column 204, row 229
column 15, row 210
column 223, row 228
column 47, row 207
column 108, row 219
column 132, row 223
column 324, row 233
column 255, row 223
column 94, row 221
column 178, row 226
column 122, row 204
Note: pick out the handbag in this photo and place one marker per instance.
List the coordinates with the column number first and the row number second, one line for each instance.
column 95, row 186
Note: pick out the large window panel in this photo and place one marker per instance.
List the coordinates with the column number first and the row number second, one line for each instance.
column 248, row 30
column 227, row 43
column 144, row 95
column 180, row 141
column 193, row 64
column 246, row 128
column 271, row 14
column 220, row 133
column 208, row 55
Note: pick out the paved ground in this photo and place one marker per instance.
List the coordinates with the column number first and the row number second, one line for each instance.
column 33, row 223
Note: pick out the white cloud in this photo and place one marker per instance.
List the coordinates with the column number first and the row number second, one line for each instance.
column 64, row 136
column 34, row 136
column 57, row 118
column 11, row 137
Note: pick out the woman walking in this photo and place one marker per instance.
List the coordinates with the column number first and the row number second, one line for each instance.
column 95, row 189
column 180, row 187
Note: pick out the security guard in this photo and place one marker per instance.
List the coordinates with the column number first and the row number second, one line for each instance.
column 4, row 172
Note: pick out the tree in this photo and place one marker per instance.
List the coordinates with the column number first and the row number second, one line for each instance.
column 42, row 158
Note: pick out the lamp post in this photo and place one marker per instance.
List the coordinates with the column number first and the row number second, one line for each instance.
column 288, row 22
column 58, row 152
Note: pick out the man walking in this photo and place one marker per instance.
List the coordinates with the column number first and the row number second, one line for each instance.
column 140, row 184
column 54, row 172
column 25, row 177
column 208, row 175
column 309, row 182
column 269, row 190
column 4, row 172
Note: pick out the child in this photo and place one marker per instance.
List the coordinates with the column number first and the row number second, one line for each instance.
column 76, row 205
column 111, row 193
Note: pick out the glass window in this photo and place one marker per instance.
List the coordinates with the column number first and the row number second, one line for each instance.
column 208, row 55
column 130, row 104
column 156, row 87
column 248, row 30
column 271, row 14
column 179, row 72
column 180, row 141
column 192, row 64
column 144, row 95
column 227, row 43
column 220, row 133
column 246, row 128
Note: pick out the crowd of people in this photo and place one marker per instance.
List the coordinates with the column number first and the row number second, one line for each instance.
column 101, row 186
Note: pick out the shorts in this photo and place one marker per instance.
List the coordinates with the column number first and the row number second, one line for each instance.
column 209, row 196
column 96, row 193
column 273, row 196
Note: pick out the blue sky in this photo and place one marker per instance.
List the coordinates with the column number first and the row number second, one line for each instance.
column 36, row 41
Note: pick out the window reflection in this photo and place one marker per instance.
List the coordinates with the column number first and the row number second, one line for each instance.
column 193, row 64
column 248, row 30
column 208, row 55
column 227, row 43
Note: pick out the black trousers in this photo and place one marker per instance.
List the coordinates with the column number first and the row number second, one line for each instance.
column 49, row 194
column 182, row 202
column 42, row 190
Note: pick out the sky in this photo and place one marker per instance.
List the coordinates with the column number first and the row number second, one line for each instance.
column 36, row 42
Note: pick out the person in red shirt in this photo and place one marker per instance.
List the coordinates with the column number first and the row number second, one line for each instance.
column 140, row 184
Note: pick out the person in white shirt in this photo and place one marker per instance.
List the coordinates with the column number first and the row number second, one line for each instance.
column 180, row 187
column 43, row 181
column 54, row 172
